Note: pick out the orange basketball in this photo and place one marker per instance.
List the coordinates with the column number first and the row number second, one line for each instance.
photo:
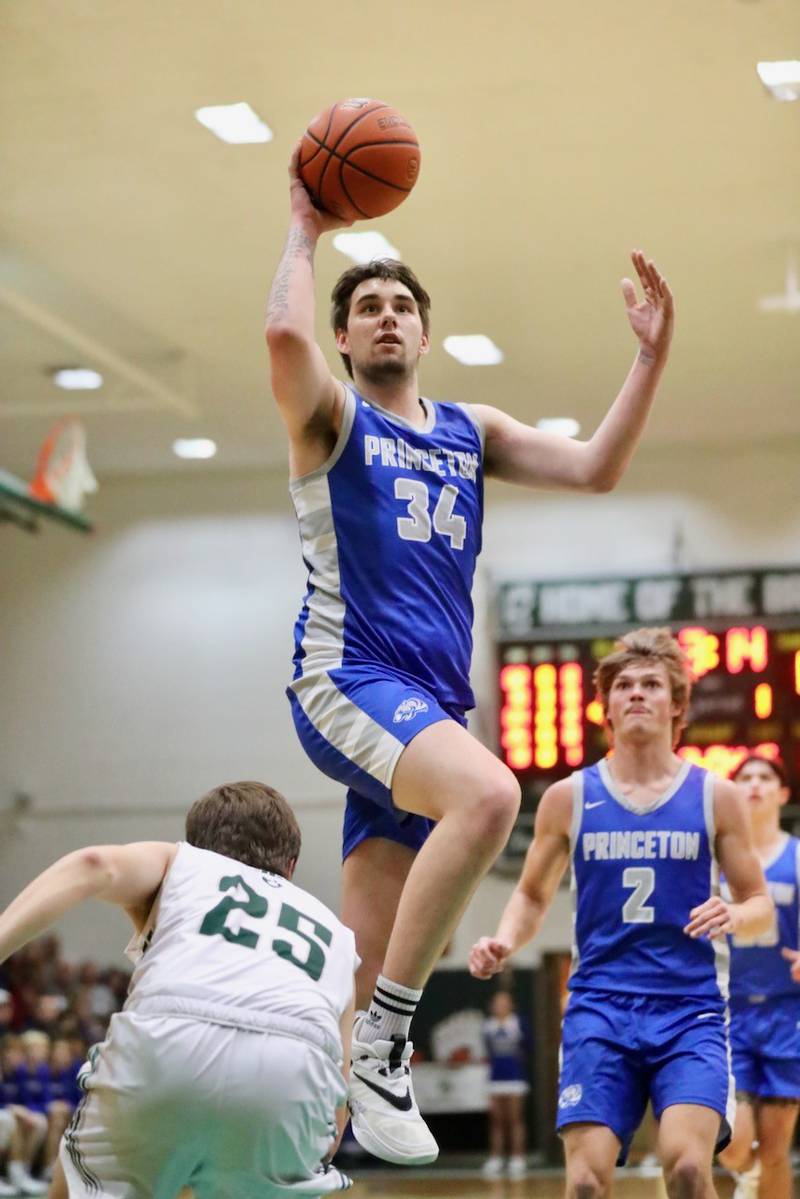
column 359, row 159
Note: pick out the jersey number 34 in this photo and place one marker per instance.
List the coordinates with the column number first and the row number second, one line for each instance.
column 416, row 525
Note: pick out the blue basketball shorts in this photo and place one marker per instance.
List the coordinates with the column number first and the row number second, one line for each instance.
column 618, row 1051
column 354, row 723
column 765, row 1046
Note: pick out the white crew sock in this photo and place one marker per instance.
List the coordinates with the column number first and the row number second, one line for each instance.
column 390, row 1011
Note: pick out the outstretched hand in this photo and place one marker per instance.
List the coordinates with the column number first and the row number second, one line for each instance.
column 487, row 957
column 651, row 319
column 303, row 207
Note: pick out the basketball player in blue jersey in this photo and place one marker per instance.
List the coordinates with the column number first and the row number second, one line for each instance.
column 388, row 489
column 646, row 1017
column 765, row 1000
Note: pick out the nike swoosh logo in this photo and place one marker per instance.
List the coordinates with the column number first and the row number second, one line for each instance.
column 706, row 1015
column 596, row 804
column 403, row 1103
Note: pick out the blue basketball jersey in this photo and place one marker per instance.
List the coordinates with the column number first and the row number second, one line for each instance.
column 390, row 528
column 757, row 968
column 507, row 1043
column 636, row 875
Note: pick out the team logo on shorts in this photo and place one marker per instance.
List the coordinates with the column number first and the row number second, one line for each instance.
column 408, row 709
column 570, row 1095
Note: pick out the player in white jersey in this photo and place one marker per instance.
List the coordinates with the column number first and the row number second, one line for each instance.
column 388, row 491
column 646, row 1017
column 225, row 1072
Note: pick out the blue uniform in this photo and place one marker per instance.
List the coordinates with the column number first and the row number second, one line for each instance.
column 765, row 1002
column 647, row 1015
column 390, row 528
column 34, row 1083
column 507, row 1048
column 64, row 1085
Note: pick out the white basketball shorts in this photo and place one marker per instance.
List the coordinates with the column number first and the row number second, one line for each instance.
column 172, row 1101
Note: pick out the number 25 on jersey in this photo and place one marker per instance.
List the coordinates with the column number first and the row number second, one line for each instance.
column 309, row 938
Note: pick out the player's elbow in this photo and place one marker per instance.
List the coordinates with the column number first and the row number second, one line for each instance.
column 95, row 868
column 596, row 475
column 283, row 337
column 604, row 482
column 601, row 477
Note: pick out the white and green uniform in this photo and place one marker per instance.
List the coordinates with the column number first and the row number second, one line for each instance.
column 223, row 1070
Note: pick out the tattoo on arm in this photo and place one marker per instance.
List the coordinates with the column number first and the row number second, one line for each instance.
column 646, row 357
column 298, row 246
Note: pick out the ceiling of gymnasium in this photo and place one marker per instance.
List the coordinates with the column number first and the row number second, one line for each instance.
column 554, row 138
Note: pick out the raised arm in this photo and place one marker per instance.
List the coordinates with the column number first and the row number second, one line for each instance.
column 128, row 875
column 751, row 913
column 519, row 453
column 304, row 388
column 544, row 865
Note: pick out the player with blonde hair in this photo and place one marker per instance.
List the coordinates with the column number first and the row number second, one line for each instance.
column 646, row 834
column 226, row 1069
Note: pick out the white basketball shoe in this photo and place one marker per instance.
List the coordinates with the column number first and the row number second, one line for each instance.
column 385, row 1117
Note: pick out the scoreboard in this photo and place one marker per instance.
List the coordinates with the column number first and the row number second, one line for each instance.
column 739, row 629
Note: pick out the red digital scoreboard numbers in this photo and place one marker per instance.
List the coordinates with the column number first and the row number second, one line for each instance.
column 747, row 669
column 747, row 695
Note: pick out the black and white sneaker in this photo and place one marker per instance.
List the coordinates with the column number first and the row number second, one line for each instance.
column 385, row 1117
column 326, row 1179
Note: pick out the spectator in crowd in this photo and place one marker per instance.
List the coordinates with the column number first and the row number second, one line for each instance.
column 64, row 1095
column 30, row 1125
column 6, row 1012
column 507, row 1048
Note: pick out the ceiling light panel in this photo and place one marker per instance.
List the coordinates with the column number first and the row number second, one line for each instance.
column 364, row 247
column 77, row 378
column 473, row 349
column 781, row 79
column 567, row 426
column 194, row 447
column 236, row 124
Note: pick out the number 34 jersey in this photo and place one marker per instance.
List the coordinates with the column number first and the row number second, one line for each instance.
column 226, row 935
column 636, row 875
column 390, row 528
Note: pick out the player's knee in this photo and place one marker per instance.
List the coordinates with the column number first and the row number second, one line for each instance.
column 496, row 808
column 586, row 1183
column 737, row 1155
column 686, row 1176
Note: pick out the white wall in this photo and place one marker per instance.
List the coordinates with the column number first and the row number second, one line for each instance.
column 146, row 663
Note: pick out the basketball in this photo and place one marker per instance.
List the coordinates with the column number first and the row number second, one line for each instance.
column 359, row 159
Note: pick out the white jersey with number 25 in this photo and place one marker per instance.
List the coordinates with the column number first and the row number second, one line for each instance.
column 226, row 934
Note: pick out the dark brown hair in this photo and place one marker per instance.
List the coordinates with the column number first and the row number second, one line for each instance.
column 378, row 268
column 249, row 822
column 649, row 645
column 775, row 764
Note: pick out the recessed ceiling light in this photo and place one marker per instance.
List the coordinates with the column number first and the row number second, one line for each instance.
column 363, row 247
column 787, row 300
column 559, row 424
column 473, row 349
column 781, row 79
column 194, row 447
column 77, row 378
column 236, row 124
